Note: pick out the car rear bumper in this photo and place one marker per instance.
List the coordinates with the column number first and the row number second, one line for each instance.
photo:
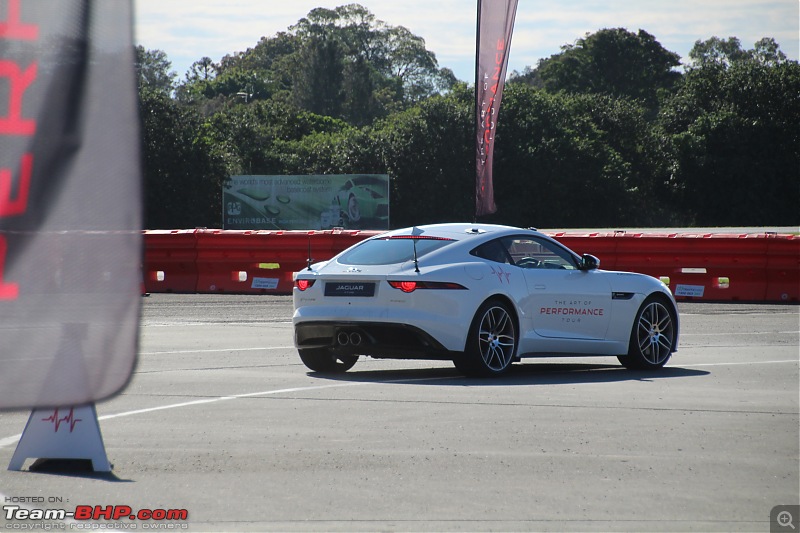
column 376, row 339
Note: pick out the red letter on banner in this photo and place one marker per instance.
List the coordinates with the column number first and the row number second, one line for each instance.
column 9, row 206
column 12, row 28
column 14, row 124
column 8, row 291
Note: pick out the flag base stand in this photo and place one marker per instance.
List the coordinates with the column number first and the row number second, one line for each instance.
column 63, row 436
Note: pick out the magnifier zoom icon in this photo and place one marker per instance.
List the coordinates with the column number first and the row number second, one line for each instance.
column 785, row 519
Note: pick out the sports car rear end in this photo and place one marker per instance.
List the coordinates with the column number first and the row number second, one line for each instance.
column 387, row 297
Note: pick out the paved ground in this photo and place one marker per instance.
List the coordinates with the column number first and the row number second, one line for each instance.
column 222, row 419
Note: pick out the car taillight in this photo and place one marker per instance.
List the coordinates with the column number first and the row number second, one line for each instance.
column 303, row 284
column 411, row 286
column 405, row 286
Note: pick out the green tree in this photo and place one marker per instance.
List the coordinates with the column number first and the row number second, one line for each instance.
column 361, row 102
column 153, row 70
column 735, row 139
column 339, row 62
column 767, row 52
column 319, row 76
column 727, row 52
column 205, row 69
column 614, row 62
column 259, row 136
column 637, row 170
column 427, row 152
column 183, row 171
column 264, row 55
column 553, row 165
column 231, row 87
column 716, row 51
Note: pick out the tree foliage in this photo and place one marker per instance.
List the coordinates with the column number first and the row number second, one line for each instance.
column 727, row 52
column 735, row 136
column 153, row 71
column 183, row 169
column 568, row 159
column 613, row 62
column 606, row 133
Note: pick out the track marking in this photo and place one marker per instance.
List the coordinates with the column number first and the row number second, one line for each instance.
column 171, row 352
column 13, row 439
column 212, row 350
column 8, row 441
column 747, row 333
column 197, row 324
column 795, row 361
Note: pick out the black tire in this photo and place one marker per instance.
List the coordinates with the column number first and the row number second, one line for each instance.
column 652, row 336
column 322, row 360
column 491, row 341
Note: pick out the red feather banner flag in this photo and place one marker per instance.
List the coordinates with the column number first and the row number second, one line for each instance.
column 70, row 202
column 495, row 26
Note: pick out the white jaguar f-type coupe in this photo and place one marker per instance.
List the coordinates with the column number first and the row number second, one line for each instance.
column 482, row 296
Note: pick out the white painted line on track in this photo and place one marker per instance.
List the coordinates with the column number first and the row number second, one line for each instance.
column 13, row 439
column 8, row 441
column 220, row 350
column 180, row 324
column 795, row 361
column 746, row 333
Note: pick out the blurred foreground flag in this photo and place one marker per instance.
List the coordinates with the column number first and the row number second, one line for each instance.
column 70, row 201
column 495, row 26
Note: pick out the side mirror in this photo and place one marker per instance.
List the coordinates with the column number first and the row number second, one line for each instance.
column 589, row 262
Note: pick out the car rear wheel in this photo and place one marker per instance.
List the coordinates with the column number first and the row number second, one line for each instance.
column 322, row 360
column 652, row 336
column 491, row 342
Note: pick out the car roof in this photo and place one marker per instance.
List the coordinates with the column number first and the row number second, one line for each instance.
column 458, row 231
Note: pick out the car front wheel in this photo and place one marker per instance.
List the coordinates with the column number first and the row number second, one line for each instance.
column 652, row 336
column 491, row 342
column 322, row 360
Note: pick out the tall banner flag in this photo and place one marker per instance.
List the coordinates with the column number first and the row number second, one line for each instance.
column 495, row 25
column 70, row 202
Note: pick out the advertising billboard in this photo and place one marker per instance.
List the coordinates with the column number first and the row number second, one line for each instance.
column 350, row 201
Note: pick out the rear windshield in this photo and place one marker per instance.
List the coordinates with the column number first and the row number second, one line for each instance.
column 391, row 250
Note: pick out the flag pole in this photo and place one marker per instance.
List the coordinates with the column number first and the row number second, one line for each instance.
column 476, row 111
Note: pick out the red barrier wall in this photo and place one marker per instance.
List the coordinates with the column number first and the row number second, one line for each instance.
column 783, row 270
column 236, row 261
column 170, row 261
column 711, row 267
column 701, row 267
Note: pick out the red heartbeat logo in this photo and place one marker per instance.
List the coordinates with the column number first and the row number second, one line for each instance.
column 70, row 418
column 500, row 274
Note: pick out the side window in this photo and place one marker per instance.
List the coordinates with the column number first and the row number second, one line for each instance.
column 492, row 251
column 530, row 252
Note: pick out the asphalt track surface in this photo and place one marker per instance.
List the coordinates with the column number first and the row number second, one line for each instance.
column 221, row 419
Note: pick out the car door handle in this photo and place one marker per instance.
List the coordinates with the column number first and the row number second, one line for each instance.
column 540, row 287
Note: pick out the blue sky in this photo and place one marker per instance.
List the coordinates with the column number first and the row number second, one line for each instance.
column 190, row 29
